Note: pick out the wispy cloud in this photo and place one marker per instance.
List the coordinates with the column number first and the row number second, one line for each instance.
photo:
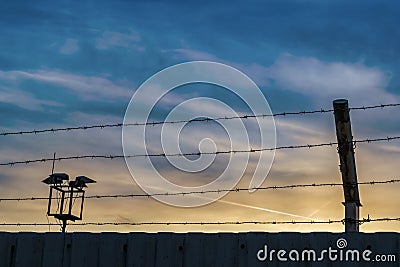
column 321, row 81
column 24, row 100
column 191, row 54
column 253, row 70
column 328, row 80
column 111, row 39
column 69, row 47
column 86, row 87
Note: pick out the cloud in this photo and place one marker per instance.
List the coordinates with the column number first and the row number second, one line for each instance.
column 24, row 100
column 116, row 39
column 191, row 54
column 253, row 70
column 319, row 80
column 70, row 46
column 87, row 87
column 328, row 80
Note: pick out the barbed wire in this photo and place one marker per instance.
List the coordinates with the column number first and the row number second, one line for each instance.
column 153, row 123
column 367, row 220
column 375, row 106
column 167, row 155
column 368, row 140
column 376, row 140
column 248, row 116
column 373, row 182
column 173, row 223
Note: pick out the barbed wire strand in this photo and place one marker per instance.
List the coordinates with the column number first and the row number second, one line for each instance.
column 196, row 153
column 248, row 116
column 214, row 191
column 375, row 106
column 367, row 220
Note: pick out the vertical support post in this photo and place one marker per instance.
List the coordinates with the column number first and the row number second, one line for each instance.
column 50, row 198
column 64, row 225
column 71, row 198
column 83, row 199
column 347, row 164
column 62, row 202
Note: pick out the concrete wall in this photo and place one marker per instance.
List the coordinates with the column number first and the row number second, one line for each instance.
column 191, row 249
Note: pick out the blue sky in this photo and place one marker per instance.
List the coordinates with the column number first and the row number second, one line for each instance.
column 64, row 63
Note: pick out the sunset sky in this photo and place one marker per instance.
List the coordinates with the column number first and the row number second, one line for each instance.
column 67, row 64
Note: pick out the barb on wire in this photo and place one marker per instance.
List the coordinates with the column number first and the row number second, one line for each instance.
column 196, row 153
column 248, row 116
column 116, row 196
column 203, row 223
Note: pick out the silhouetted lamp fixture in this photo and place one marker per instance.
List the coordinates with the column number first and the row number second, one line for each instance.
column 66, row 197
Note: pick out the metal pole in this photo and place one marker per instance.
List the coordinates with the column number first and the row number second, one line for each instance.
column 49, row 204
column 347, row 164
column 54, row 161
column 64, row 225
column 70, row 199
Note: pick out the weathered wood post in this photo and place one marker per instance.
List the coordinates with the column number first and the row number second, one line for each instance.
column 347, row 164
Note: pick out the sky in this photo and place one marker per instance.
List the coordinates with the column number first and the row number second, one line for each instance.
column 67, row 64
